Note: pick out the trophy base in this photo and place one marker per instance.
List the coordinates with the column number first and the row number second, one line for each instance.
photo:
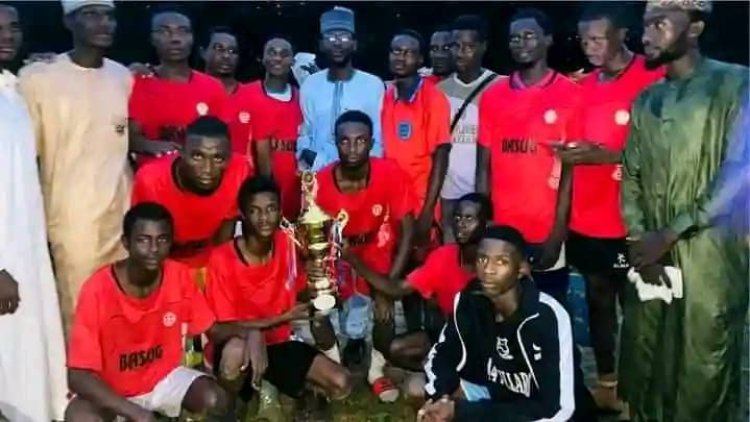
column 323, row 304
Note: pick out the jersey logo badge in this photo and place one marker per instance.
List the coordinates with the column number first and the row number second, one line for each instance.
column 404, row 130
column 550, row 117
column 120, row 125
column 537, row 352
column 502, row 349
column 377, row 209
column 244, row 117
column 621, row 262
column 617, row 174
column 622, row 117
column 201, row 108
column 169, row 319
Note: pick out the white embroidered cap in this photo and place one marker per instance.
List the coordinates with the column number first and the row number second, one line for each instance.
column 70, row 6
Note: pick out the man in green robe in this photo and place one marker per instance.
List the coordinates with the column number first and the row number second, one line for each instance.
column 681, row 361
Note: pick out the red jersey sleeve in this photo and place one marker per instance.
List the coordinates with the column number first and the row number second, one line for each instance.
column 425, row 278
column 486, row 119
column 200, row 316
column 141, row 190
column 220, row 294
column 136, row 106
column 438, row 127
column 85, row 350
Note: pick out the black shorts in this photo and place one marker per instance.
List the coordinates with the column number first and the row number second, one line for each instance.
column 591, row 255
column 288, row 365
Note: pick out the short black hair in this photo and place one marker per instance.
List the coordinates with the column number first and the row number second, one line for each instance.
column 507, row 234
column 163, row 8
column 414, row 34
column 444, row 27
column 471, row 23
column 221, row 29
column 485, row 206
column 253, row 186
column 277, row 36
column 541, row 18
column 146, row 211
column 208, row 126
column 354, row 116
column 612, row 11
column 698, row 16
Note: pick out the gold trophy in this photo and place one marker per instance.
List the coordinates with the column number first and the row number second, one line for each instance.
column 321, row 239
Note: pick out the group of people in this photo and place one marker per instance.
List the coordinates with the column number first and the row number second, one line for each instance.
column 147, row 219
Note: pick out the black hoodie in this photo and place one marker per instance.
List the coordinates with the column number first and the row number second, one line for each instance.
column 525, row 361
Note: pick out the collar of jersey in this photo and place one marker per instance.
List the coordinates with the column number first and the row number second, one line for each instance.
column 517, row 83
column 412, row 91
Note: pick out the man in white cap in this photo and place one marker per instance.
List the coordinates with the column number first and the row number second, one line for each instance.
column 32, row 352
column 327, row 94
column 79, row 108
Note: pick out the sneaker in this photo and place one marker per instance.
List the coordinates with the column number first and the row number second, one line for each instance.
column 384, row 389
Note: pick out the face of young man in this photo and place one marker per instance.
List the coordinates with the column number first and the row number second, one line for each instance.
column 405, row 57
column 11, row 36
column 278, row 57
column 172, row 37
column 600, row 40
column 221, row 55
column 441, row 54
column 498, row 266
column 204, row 161
column 149, row 244
column 338, row 46
column 468, row 222
column 93, row 25
column 667, row 35
column 353, row 141
column 468, row 50
column 528, row 43
column 262, row 214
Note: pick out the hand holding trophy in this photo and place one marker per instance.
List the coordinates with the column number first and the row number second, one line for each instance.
column 321, row 240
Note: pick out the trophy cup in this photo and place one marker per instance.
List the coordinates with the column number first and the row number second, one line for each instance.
column 321, row 238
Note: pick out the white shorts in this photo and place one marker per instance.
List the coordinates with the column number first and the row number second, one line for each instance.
column 167, row 396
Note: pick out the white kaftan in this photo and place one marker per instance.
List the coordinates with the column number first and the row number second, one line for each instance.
column 33, row 384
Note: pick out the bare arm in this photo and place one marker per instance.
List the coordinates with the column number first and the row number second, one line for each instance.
column 90, row 387
column 393, row 288
column 263, row 157
column 404, row 247
column 139, row 144
column 225, row 232
column 483, row 170
column 437, row 176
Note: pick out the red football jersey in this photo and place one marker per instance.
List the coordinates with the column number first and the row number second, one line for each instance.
column 519, row 124
column 133, row 343
column 236, row 114
column 441, row 276
column 163, row 108
column 413, row 130
column 606, row 115
column 238, row 291
column 374, row 216
column 278, row 121
column 197, row 218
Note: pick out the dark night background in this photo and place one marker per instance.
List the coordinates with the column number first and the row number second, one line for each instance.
column 726, row 37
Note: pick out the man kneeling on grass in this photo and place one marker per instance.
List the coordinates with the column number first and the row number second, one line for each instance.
column 132, row 320
column 253, row 282
column 507, row 353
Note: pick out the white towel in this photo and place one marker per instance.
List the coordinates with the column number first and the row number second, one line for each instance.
column 648, row 292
